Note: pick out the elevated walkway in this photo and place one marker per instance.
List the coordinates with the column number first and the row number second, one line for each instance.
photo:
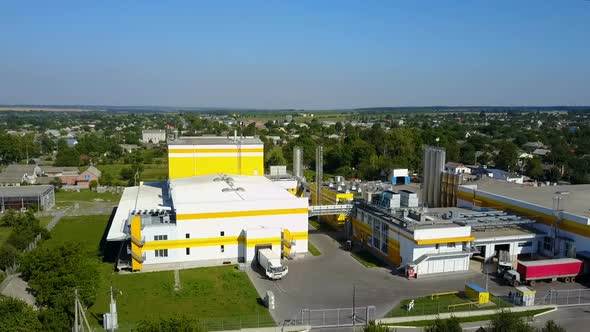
column 327, row 210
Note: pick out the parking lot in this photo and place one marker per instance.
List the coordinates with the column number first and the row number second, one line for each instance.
column 326, row 282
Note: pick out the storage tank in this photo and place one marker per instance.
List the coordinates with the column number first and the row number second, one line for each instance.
column 298, row 162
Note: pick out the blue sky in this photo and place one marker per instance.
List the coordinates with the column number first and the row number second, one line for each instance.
column 302, row 54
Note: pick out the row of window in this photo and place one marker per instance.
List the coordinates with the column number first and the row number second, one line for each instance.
column 188, row 236
column 164, row 252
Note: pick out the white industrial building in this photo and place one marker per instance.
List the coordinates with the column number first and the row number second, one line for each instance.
column 154, row 136
column 207, row 220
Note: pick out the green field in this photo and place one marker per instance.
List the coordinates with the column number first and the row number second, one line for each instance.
column 65, row 198
column 151, row 172
column 312, row 249
column 205, row 294
column 43, row 221
column 440, row 304
column 367, row 259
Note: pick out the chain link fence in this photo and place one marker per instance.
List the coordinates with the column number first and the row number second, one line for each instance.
column 340, row 317
column 563, row 297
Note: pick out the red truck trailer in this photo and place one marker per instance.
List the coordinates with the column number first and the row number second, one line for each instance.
column 565, row 269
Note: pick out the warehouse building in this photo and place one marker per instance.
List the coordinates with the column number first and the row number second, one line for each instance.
column 27, row 197
column 198, row 219
column 441, row 240
column 560, row 212
column 194, row 156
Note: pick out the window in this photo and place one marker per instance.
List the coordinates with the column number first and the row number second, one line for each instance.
column 188, row 235
column 222, row 233
column 451, row 245
column 525, row 244
column 547, row 244
column 222, row 248
column 188, row 251
column 160, row 237
column 162, row 253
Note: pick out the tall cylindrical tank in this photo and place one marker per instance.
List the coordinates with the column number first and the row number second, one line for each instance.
column 298, row 162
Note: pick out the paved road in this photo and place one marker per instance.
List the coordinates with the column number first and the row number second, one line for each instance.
column 326, row 282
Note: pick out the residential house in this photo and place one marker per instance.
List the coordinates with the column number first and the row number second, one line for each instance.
column 541, row 152
column 457, row 168
column 91, row 173
column 14, row 175
column 154, row 136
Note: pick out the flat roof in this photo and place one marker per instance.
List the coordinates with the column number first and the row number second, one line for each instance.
column 503, row 232
column 217, row 188
column 19, row 191
column 576, row 202
column 148, row 196
column 214, row 140
column 553, row 261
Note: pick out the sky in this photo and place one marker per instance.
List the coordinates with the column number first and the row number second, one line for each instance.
column 295, row 54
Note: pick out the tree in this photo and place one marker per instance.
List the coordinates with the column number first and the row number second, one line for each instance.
column 56, row 182
column 445, row 325
column 534, row 168
column 275, row 157
column 467, row 154
column 53, row 273
column 93, row 185
column 551, row 326
column 507, row 157
column 106, row 179
column 508, row 322
column 173, row 324
column 17, row 316
column 375, row 327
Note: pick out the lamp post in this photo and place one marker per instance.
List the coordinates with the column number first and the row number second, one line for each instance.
column 558, row 207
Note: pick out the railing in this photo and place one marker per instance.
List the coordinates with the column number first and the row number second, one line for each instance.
column 137, row 241
column 324, row 210
column 138, row 258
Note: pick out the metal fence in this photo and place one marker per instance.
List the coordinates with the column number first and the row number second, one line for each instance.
column 340, row 317
column 563, row 297
column 436, row 307
column 238, row 322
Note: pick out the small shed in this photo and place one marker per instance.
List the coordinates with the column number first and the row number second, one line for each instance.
column 477, row 294
column 524, row 296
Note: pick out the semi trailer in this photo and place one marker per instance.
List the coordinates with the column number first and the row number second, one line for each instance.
column 271, row 263
column 529, row 272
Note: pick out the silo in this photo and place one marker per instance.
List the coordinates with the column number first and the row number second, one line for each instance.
column 298, row 162
column 434, row 164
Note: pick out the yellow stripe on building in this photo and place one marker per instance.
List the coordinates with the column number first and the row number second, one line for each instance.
column 445, row 240
column 543, row 218
column 237, row 214
column 232, row 150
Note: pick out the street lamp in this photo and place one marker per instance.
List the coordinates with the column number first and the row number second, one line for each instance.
column 558, row 207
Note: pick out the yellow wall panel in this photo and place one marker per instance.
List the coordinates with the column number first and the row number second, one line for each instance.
column 181, row 167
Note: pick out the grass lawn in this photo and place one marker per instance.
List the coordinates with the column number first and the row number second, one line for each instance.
column 67, row 198
column 521, row 314
column 312, row 249
column 205, row 294
column 367, row 259
column 428, row 306
column 43, row 221
column 315, row 224
column 151, row 172
column 4, row 234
